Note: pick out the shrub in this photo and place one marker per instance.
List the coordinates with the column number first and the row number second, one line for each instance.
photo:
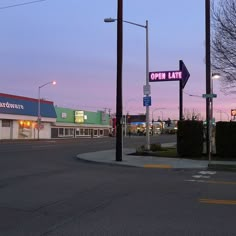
column 141, row 149
column 155, row 147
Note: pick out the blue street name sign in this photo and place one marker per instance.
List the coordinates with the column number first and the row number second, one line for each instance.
column 147, row 101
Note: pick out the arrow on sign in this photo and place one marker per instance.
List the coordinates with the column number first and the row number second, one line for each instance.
column 185, row 73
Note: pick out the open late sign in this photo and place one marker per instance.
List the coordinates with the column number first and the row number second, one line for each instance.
column 182, row 75
column 165, row 75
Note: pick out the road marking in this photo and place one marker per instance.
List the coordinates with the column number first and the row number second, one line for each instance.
column 218, row 201
column 219, row 182
column 195, row 180
column 202, row 174
column 197, row 176
column 207, row 172
column 161, row 166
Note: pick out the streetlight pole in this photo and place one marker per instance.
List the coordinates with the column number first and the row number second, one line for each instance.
column 147, row 86
column 109, row 20
column 39, row 104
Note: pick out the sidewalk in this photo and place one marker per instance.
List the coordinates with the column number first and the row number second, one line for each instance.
column 109, row 157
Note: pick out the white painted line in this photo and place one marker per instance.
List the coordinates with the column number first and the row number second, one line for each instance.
column 207, row 172
column 206, row 176
column 197, row 176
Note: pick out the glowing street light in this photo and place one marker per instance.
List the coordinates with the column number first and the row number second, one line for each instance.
column 39, row 112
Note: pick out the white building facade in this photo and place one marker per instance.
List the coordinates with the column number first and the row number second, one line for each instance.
column 19, row 117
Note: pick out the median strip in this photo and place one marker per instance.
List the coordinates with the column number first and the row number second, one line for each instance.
column 218, row 201
column 160, row 166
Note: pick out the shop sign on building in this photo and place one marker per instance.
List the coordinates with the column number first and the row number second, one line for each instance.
column 63, row 115
column 79, row 116
column 18, row 105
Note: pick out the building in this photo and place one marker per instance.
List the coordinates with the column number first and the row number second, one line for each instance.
column 73, row 123
column 19, row 116
column 19, row 120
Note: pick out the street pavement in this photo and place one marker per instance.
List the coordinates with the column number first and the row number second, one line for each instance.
column 109, row 157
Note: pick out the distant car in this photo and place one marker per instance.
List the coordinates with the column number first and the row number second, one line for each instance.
column 170, row 130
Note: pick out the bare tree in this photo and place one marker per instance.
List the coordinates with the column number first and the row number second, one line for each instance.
column 192, row 115
column 224, row 42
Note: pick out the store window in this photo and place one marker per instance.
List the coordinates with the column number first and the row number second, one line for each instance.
column 106, row 132
column 25, row 124
column 25, row 129
column 72, row 132
column 81, row 131
column 6, row 123
column 67, row 132
column 61, row 132
column 101, row 132
column 77, row 133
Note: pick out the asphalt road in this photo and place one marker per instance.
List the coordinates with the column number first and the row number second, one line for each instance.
column 45, row 190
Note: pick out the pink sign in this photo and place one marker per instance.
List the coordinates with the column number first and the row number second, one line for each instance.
column 165, row 76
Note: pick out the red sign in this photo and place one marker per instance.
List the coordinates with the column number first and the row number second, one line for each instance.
column 233, row 112
column 41, row 126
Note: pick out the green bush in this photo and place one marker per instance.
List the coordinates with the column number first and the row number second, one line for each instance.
column 155, row 147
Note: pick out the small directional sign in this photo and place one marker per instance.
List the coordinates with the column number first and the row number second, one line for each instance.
column 146, row 89
column 147, row 101
column 211, row 95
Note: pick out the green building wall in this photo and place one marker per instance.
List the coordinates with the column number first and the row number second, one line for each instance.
column 67, row 115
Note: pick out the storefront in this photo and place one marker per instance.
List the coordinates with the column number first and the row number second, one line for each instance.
column 78, row 123
column 19, row 116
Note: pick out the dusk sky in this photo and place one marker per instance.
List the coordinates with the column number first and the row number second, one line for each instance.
column 68, row 41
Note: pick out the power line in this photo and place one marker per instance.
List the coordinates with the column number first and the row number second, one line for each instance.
column 22, row 4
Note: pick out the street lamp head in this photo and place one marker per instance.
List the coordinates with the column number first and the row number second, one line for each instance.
column 109, row 20
column 51, row 82
column 215, row 75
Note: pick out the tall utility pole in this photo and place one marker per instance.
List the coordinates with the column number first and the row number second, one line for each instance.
column 208, row 77
column 119, row 105
column 148, row 86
